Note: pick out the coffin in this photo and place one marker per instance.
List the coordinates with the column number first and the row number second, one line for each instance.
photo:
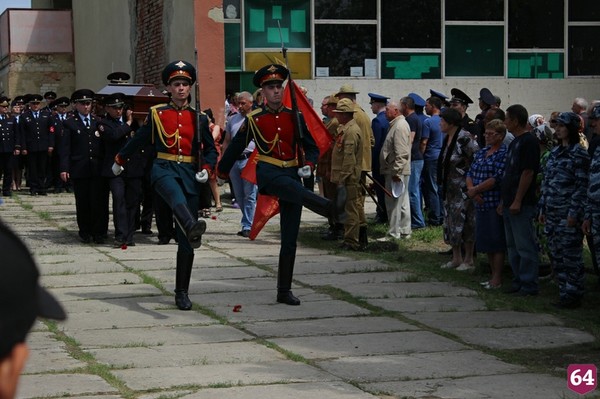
column 140, row 97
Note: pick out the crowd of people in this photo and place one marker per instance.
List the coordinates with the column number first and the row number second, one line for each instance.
column 503, row 183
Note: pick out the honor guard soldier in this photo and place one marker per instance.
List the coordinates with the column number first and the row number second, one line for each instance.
column 8, row 140
column 460, row 101
column 81, row 155
column 277, row 172
column 37, row 142
column 176, row 171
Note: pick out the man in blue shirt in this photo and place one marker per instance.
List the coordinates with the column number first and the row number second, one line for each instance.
column 380, row 126
column 432, row 139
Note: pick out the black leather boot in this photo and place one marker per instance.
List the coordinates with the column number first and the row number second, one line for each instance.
column 285, row 273
column 363, row 241
column 191, row 226
column 182, row 280
column 322, row 206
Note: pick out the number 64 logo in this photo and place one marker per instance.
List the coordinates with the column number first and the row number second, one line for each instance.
column 582, row 378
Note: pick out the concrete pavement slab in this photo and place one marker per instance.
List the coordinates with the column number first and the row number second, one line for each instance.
column 158, row 336
column 537, row 337
column 128, row 317
column 371, row 344
column 186, row 355
column 213, row 273
column 491, row 319
column 522, row 385
column 88, row 280
column 406, row 290
column 248, row 284
column 308, row 390
column 278, row 311
column 152, row 305
column 82, row 266
column 281, row 371
column 252, row 298
column 354, row 278
column 413, row 366
column 105, row 292
column 327, row 327
column 438, row 304
column 57, row 385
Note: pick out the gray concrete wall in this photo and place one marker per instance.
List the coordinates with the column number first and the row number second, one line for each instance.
column 103, row 42
column 179, row 29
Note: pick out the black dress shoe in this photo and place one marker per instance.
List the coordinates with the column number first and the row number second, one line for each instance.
column 332, row 236
column 131, row 244
column 182, row 301
column 348, row 247
column 85, row 240
column 118, row 244
column 146, row 231
column 288, row 298
column 99, row 240
column 244, row 233
column 567, row 303
column 163, row 240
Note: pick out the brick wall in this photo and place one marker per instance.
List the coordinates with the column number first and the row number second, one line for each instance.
column 150, row 43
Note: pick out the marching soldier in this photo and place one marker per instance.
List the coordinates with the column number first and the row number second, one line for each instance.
column 278, row 173
column 176, row 171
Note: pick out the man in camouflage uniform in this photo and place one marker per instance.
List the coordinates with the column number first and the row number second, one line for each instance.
column 591, row 222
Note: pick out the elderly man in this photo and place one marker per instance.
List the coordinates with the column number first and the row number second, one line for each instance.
column 395, row 167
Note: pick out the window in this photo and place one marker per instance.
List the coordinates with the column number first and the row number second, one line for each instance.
column 261, row 29
column 233, row 51
column 536, row 65
column 536, row 23
column 475, row 10
column 474, row 50
column 411, row 24
column 345, row 9
column 345, row 49
column 411, row 65
column 583, row 50
column 583, row 11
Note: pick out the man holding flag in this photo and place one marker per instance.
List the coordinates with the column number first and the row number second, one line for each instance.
column 284, row 156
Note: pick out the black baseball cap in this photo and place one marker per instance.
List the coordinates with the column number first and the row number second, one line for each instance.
column 22, row 299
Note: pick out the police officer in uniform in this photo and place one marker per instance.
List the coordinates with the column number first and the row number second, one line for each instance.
column 37, row 132
column 8, row 139
column 460, row 101
column 278, row 172
column 176, row 171
column 116, row 129
column 60, row 115
column 81, row 155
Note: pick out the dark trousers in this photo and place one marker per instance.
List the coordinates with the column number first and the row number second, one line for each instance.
column 91, row 205
column 381, row 209
column 172, row 191
column 147, row 204
column 36, row 173
column 164, row 217
column 6, row 167
column 126, row 198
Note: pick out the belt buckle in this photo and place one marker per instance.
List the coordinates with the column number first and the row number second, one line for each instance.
column 284, row 164
column 180, row 158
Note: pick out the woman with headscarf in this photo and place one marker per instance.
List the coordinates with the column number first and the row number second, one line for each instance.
column 454, row 162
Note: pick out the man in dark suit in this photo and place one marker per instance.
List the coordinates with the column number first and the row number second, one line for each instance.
column 116, row 129
column 8, row 140
column 81, row 156
column 37, row 142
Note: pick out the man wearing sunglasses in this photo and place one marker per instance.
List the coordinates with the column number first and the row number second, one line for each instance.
column 81, row 155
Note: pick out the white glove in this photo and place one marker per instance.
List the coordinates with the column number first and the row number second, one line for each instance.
column 202, row 176
column 304, row 172
column 117, row 169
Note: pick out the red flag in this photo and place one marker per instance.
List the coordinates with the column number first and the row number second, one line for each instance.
column 267, row 206
column 315, row 124
column 249, row 171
